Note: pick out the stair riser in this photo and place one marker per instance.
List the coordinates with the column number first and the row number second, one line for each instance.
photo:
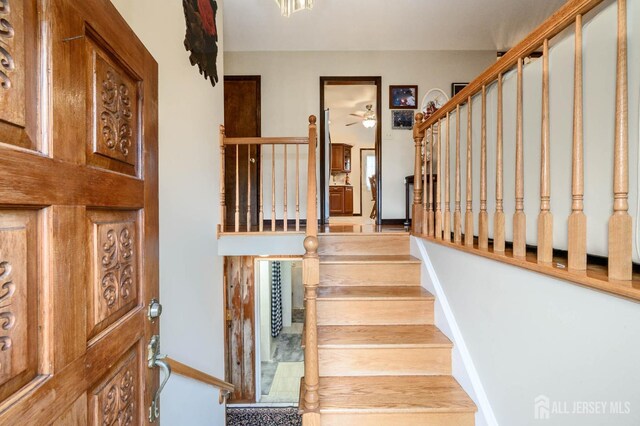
column 364, row 244
column 374, row 312
column 376, row 274
column 404, row 419
column 384, row 361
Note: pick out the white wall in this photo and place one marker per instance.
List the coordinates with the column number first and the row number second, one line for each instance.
column 190, row 270
column 290, row 93
column 530, row 335
column 599, row 67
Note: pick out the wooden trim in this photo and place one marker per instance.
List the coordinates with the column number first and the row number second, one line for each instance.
column 561, row 19
column 267, row 141
column 594, row 277
column 358, row 80
column 190, row 372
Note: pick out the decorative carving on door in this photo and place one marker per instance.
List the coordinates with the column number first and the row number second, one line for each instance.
column 18, row 301
column 6, row 32
column 116, row 400
column 116, row 114
column 114, row 257
column 114, row 106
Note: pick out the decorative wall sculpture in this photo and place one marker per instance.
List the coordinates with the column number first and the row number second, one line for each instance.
column 201, row 38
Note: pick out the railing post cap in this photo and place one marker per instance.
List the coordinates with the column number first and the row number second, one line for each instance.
column 311, row 244
column 416, row 126
column 312, row 119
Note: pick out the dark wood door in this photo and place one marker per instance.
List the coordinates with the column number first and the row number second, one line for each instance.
column 79, row 215
column 242, row 119
column 337, row 158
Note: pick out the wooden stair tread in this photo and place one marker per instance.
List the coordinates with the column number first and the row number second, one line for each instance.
column 358, row 259
column 393, row 394
column 373, row 293
column 381, row 336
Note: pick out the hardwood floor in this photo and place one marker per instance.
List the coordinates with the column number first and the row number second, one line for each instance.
column 382, row 360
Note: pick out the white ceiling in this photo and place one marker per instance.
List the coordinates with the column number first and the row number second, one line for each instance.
column 351, row 97
column 256, row 25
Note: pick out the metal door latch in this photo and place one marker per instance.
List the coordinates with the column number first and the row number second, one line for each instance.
column 155, row 359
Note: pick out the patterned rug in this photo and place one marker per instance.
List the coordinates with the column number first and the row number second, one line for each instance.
column 263, row 416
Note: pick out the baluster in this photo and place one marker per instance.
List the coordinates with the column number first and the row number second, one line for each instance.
column 519, row 218
column 438, row 223
column 425, row 188
column 260, row 213
column 297, row 188
column 545, row 218
column 468, row 214
column 498, row 217
column 223, row 202
column 577, row 220
column 483, row 217
column 431, row 212
column 446, row 232
column 457, row 215
column 248, row 188
column 620, row 232
column 237, row 212
column 418, row 136
column 284, row 219
column 273, row 188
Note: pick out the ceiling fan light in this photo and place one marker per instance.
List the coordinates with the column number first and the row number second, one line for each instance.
column 369, row 122
column 287, row 7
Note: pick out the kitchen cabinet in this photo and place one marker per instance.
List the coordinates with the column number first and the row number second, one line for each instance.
column 341, row 200
column 341, row 158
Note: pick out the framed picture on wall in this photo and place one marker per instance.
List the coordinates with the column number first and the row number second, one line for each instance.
column 456, row 87
column 402, row 120
column 403, row 97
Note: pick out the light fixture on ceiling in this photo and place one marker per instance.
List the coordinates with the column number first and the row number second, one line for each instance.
column 287, row 7
column 369, row 118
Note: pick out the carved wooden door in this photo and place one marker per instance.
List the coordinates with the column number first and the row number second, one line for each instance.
column 78, row 214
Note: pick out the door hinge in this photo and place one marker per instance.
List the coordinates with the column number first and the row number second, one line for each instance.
column 229, row 315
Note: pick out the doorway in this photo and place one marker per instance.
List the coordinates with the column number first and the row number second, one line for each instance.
column 264, row 300
column 345, row 103
column 242, row 118
column 280, row 318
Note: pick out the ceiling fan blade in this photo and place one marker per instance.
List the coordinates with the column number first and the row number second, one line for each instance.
column 351, row 124
column 357, row 115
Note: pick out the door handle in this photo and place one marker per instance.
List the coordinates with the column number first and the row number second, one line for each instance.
column 155, row 359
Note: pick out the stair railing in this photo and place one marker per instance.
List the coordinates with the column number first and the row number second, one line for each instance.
column 280, row 213
column 432, row 220
column 310, row 279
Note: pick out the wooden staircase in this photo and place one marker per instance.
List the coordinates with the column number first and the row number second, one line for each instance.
column 382, row 361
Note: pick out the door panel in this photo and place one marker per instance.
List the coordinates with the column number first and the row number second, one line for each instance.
column 242, row 119
column 79, row 214
column 240, row 336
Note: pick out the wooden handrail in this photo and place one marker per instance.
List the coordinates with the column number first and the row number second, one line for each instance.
column 192, row 373
column 561, row 19
column 620, row 278
column 266, row 141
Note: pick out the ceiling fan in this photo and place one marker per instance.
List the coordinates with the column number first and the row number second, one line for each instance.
column 368, row 118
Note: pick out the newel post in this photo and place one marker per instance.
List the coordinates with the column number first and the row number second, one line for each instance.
column 418, row 138
column 310, row 279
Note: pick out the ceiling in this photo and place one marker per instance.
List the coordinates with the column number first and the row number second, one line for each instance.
column 353, row 98
column 256, row 25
